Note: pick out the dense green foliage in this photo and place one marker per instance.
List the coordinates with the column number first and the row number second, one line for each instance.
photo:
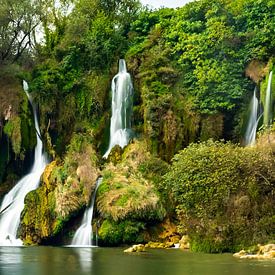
column 72, row 79
column 224, row 195
column 190, row 68
column 193, row 68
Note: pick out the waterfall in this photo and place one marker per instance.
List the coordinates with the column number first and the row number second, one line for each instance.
column 122, row 91
column 268, row 103
column 83, row 235
column 250, row 134
column 13, row 202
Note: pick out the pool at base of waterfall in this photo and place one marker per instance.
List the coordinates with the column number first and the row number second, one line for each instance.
column 101, row 261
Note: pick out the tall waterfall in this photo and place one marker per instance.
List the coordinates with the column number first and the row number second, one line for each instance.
column 250, row 134
column 268, row 103
column 83, row 235
column 122, row 91
column 13, row 202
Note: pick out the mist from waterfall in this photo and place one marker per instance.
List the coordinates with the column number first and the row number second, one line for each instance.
column 122, row 93
column 13, row 202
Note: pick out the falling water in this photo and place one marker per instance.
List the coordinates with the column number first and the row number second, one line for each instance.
column 83, row 235
column 122, row 91
column 13, row 202
column 250, row 134
column 268, row 103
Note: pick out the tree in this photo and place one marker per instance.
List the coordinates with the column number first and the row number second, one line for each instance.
column 18, row 20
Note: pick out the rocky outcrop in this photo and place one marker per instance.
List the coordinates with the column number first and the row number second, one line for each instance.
column 127, row 200
column 264, row 252
column 65, row 189
column 135, row 248
column 184, row 242
column 17, row 135
column 125, row 193
column 160, row 245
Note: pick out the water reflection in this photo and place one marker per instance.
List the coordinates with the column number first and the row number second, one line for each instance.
column 10, row 257
column 106, row 261
column 85, row 258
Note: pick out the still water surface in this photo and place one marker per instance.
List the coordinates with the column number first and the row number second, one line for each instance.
column 112, row 261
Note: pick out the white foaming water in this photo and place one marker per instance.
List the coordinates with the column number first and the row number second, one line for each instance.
column 250, row 134
column 268, row 103
column 13, row 202
column 122, row 92
column 83, row 235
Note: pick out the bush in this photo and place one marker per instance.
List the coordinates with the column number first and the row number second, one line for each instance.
column 222, row 193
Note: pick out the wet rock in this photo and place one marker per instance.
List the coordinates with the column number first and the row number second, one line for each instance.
column 135, row 248
column 184, row 243
column 159, row 245
column 115, row 155
column 264, row 252
column 240, row 254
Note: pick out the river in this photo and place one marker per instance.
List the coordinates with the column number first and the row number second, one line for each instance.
column 113, row 261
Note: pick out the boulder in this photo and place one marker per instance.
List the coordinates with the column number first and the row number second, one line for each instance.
column 264, row 252
column 135, row 248
column 159, row 245
column 184, row 243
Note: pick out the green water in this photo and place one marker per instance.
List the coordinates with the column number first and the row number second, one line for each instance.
column 112, row 261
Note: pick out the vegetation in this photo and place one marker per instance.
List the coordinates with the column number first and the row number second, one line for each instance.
column 223, row 194
column 194, row 70
column 17, row 138
column 190, row 64
column 128, row 201
column 65, row 190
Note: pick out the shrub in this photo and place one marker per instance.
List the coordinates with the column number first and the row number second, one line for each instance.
column 222, row 193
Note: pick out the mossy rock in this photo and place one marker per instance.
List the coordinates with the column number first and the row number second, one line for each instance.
column 128, row 197
column 66, row 188
column 123, row 198
column 115, row 155
column 113, row 233
column 125, row 193
column 17, row 133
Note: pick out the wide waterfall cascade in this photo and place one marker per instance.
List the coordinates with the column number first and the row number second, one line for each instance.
column 122, row 92
column 13, row 202
column 250, row 134
column 268, row 103
column 83, row 235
